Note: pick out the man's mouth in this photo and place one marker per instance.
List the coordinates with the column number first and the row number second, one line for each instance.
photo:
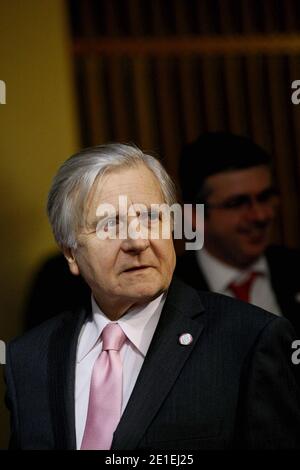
column 256, row 230
column 136, row 268
column 256, row 234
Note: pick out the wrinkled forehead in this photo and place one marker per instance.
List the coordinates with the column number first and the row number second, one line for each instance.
column 138, row 184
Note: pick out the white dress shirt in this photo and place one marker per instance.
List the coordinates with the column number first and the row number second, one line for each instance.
column 138, row 324
column 219, row 275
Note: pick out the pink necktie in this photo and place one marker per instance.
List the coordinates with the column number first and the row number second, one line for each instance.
column 105, row 401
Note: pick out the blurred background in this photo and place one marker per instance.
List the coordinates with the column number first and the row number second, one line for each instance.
column 153, row 72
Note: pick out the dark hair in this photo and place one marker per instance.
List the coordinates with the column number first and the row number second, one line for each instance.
column 212, row 153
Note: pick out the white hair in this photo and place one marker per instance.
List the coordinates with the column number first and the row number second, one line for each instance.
column 74, row 180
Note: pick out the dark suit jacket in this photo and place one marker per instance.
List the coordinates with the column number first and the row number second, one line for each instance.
column 233, row 387
column 284, row 265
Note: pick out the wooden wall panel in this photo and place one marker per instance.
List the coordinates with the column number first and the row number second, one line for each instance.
column 159, row 73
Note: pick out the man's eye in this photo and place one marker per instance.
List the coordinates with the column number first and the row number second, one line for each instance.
column 154, row 216
column 236, row 203
column 150, row 217
column 267, row 196
column 111, row 223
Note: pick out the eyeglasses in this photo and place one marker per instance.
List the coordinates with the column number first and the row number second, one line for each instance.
column 268, row 197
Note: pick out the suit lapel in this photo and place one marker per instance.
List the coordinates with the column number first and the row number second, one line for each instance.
column 61, row 373
column 163, row 363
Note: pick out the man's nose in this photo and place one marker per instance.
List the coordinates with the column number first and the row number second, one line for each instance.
column 135, row 245
column 259, row 212
column 137, row 239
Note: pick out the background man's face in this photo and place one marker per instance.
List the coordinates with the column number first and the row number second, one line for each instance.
column 122, row 273
column 237, row 227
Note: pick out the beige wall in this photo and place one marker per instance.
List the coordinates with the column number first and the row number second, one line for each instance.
column 38, row 130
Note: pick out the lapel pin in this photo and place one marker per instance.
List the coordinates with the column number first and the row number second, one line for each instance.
column 185, row 339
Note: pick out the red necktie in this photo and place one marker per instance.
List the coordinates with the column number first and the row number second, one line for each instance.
column 104, row 410
column 242, row 290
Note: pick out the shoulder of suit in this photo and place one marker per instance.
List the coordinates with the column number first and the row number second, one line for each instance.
column 232, row 321
column 218, row 305
column 38, row 337
column 230, row 310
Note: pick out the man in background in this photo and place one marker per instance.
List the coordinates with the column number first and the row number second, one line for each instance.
column 231, row 175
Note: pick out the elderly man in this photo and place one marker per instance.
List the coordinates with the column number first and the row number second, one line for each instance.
column 149, row 362
column 232, row 176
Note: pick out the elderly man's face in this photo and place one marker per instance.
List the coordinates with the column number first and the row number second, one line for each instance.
column 237, row 228
column 123, row 272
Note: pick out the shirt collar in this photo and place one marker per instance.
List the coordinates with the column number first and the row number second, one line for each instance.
column 138, row 324
column 219, row 275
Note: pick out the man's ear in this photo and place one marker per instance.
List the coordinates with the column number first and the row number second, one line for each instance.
column 70, row 257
